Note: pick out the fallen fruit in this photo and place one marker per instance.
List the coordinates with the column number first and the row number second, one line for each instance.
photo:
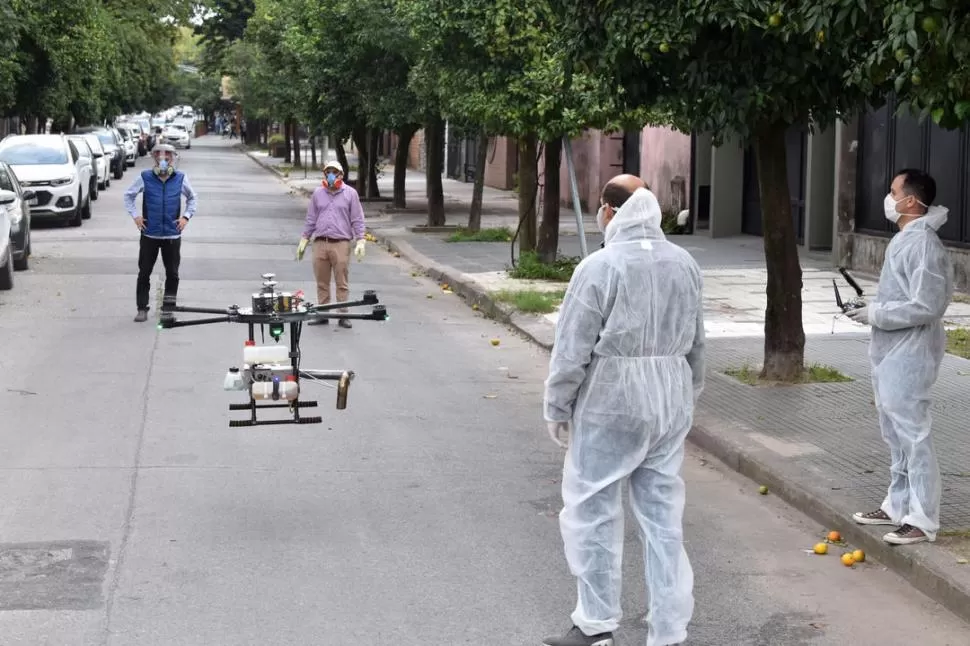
column 821, row 548
column 859, row 556
column 763, row 490
column 475, row 306
column 835, row 537
column 848, row 560
column 494, row 341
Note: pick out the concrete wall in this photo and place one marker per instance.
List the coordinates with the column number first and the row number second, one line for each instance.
column 500, row 164
column 664, row 157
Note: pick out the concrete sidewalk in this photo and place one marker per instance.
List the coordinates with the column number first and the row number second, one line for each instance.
column 818, row 446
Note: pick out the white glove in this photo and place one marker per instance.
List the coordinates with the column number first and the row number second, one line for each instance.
column 859, row 315
column 559, row 432
column 359, row 250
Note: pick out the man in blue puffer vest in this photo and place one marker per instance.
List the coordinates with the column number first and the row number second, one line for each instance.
column 161, row 222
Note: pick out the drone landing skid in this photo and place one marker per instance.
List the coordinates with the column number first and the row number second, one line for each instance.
column 271, row 374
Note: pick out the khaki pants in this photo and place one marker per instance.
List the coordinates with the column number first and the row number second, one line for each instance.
column 331, row 258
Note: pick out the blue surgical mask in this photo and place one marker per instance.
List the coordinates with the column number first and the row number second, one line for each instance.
column 331, row 178
column 163, row 164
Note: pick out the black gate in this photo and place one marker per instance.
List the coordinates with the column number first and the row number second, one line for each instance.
column 890, row 143
column 631, row 152
column 796, row 144
column 454, row 155
column 471, row 155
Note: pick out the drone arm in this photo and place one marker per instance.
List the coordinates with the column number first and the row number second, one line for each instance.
column 168, row 323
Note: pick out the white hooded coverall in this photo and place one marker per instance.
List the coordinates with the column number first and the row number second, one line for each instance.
column 626, row 370
column 907, row 348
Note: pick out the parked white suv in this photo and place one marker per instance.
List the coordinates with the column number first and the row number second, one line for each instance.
column 51, row 166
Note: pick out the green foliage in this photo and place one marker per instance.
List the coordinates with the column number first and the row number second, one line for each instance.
column 924, row 53
column 730, row 66
column 533, row 301
column 501, row 64
column 531, row 268
column 814, row 374
column 497, row 234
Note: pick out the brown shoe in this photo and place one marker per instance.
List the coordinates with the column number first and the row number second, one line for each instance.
column 877, row 517
column 141, row 316
column 345, row 323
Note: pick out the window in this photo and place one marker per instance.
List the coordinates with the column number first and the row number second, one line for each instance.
column 34, row 151
column 5, row 182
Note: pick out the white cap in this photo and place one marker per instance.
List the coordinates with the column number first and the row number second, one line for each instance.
column 334, row 164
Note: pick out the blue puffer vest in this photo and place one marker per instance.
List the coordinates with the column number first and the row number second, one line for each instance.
column 161, row 204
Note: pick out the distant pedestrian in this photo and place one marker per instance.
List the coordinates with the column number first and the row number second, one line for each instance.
column 334, row 219
column 160, row 221
column 906, row 350
column 626, row 370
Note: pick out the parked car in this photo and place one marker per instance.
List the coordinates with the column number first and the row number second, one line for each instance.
column 176, row 135
column 87, row 159
column 130, row 147
column 51, row 165
column 114, row 148
column 102, row 172
column 18, row 213
column 6, row 248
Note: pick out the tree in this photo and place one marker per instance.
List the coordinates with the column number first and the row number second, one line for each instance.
column 747, row 69
column 501, row 64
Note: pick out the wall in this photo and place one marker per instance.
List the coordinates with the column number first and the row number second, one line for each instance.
column 664, row 155
column 417, row 153
column 500, row 165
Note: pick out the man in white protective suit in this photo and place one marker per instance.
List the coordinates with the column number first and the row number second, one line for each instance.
column 626, row 370
column 906, row 350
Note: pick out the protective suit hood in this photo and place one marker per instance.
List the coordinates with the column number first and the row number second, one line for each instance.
column 639, row 218
column 935, row 218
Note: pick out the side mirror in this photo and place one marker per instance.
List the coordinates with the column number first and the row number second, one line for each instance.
column 7, row 197
column 29, row 195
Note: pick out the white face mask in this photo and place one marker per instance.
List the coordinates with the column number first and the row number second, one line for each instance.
column 889, row 206
column 600, row 216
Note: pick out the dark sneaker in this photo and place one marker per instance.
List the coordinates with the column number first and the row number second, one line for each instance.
column 576, row 637
column 345, row 323
column 906, row 535
column 877, row 517
column 141, row 316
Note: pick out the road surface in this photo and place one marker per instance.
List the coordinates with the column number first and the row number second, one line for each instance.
column 424, row 513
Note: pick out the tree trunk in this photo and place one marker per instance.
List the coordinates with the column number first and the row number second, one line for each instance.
column 359, row 138
column 338, row 147
column 481, row 159
column 288, row 138
column 528, row 183
column 297, row 162
column 434, row 136
column 313, row 152
column 784, row 333
column 404, row 138
column 373, row 139
column 549, row 229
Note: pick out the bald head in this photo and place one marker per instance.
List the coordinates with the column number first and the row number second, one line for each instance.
column 616, row 192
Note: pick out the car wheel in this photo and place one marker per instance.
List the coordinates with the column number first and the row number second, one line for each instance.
column 94, row 188
column 23, row 264
column 78, row 218
column 6, row 274
column 119, row 171
column 86, row 209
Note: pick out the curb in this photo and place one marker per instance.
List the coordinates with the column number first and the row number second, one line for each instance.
column 535, row 329
column 923, row 566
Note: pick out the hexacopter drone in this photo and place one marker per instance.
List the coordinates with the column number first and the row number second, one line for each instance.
column 271, row 372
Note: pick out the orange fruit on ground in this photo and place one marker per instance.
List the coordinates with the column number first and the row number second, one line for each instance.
column 847, row 559
column 821, row 548
column 859, row 556
column 835, row 537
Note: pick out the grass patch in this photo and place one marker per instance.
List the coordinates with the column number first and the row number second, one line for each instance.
column 531, row 300
column 958, row 342
column 529, row 268
column 961, row 298
column 496, row 234
column 815, row 373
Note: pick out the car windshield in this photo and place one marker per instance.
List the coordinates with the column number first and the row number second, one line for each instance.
column 106, row 138
column 33, row 152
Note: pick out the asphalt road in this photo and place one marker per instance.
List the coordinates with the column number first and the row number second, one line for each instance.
column 132, row 514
